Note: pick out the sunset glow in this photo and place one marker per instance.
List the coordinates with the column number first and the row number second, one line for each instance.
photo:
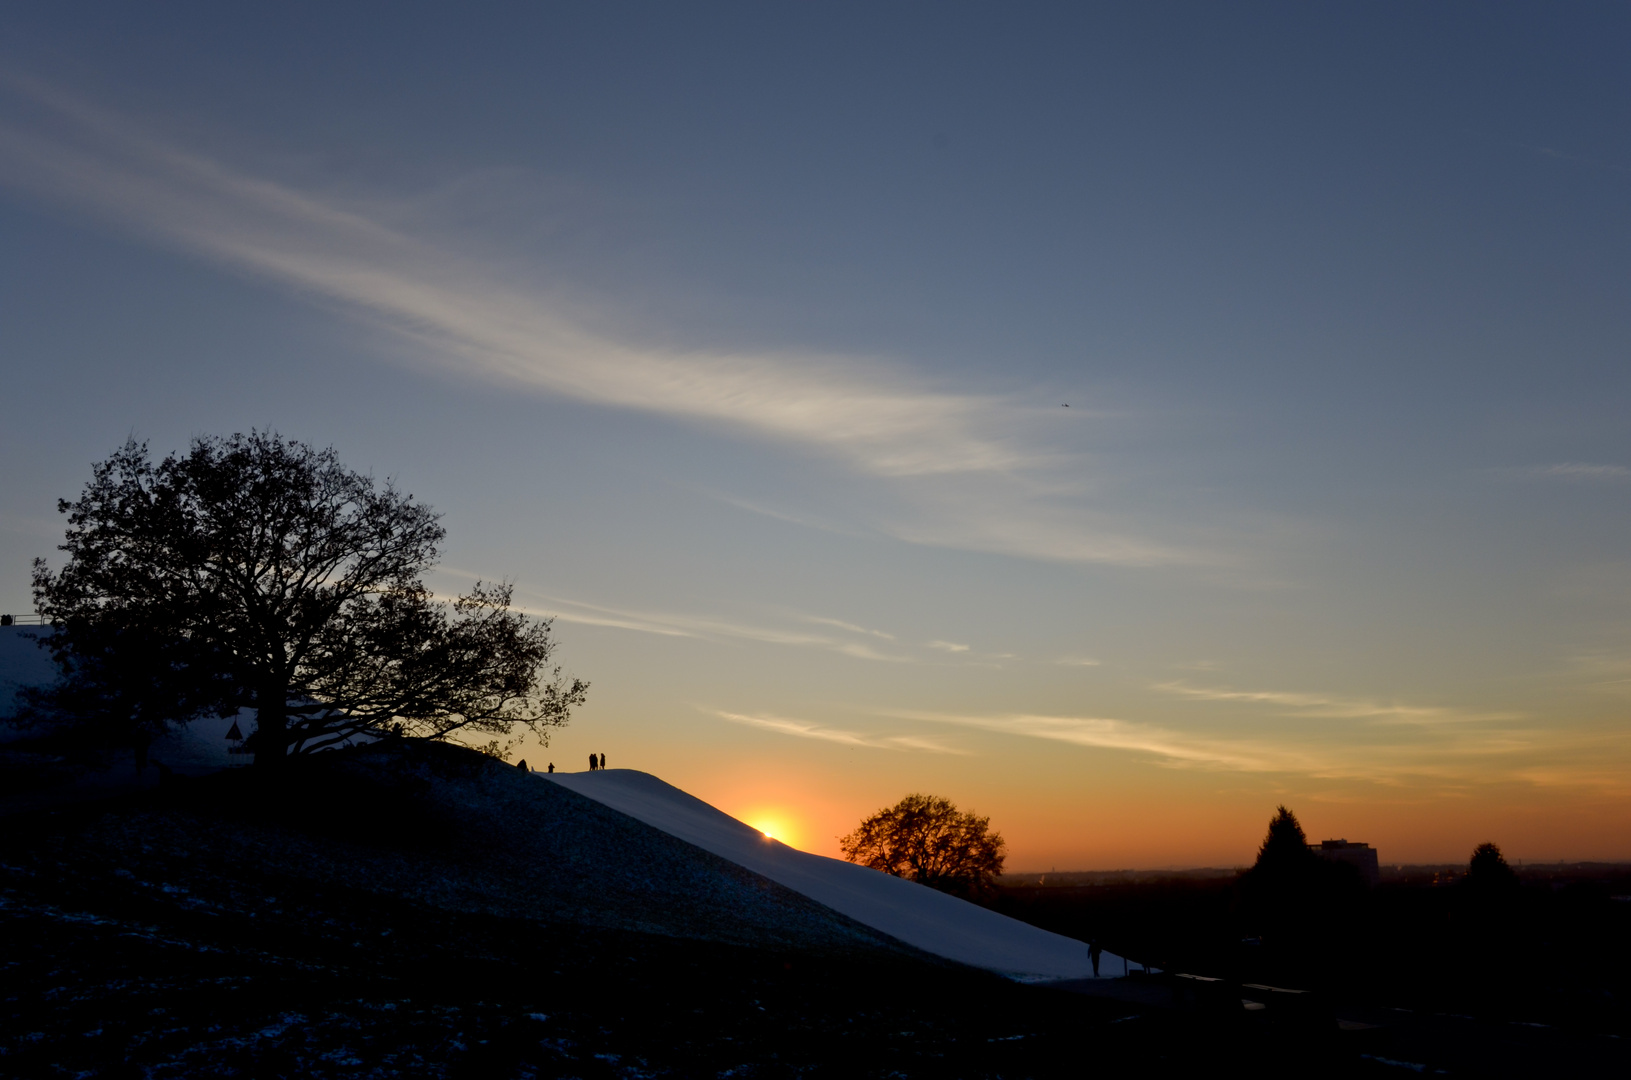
column 776, row 825
column 1074, row 429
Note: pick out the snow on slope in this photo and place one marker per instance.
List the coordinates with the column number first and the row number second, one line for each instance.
column 22, row 663
column 198, row 748
column 920, row 916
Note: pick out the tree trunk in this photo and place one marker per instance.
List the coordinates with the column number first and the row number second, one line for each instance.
column 271, row 729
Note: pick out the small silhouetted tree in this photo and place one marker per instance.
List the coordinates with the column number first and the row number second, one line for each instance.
column 927, row 839
column 1284, row 850
column 258, row 572
column 1487, row 871
column 1485, row 906
column 1490, row 888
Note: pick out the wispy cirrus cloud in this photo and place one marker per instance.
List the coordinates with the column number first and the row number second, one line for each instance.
column 1604, row 671
column 851, row 627
column 1578, row 159
column 968, row 469
column 1169, row 746
column 1458, row 756
column 1579, row 472
column 804, row 729
column 881, row 419
column 680, row 625
column 706, row 627
column 1328, row 706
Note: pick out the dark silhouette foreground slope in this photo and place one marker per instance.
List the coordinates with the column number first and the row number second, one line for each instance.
column 428, row 911
column 415, row 909
column 442, row 827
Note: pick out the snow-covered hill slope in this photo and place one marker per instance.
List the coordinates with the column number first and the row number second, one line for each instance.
column 200, row 747
column 920, row 916
column 23, row 663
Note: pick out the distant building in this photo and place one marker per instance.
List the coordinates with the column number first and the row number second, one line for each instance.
column 1360, row 856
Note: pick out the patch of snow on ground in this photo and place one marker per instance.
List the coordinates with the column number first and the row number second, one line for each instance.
column 23, row 663
column 920, row 916
column 198, row 747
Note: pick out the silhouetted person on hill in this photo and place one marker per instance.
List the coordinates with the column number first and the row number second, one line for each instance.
column 593, row 763
column 551, row 766
column 603, row 761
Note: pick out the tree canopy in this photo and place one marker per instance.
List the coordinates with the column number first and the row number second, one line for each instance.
column 1488, row 871
column 1285, row 846
column 927, row 839
column 258, row 572
column 1292, row 896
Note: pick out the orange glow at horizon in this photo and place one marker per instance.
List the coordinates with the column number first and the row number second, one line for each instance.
column 1087, row 808
column 1088, row 814
column 776, row 824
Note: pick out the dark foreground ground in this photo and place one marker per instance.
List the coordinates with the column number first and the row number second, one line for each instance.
column 430, row 913
column 1420, row 970
column 176, row 971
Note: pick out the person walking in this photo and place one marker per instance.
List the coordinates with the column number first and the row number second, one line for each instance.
column 603, row 761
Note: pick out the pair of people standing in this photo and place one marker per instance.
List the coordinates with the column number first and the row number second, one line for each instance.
column 594, row 764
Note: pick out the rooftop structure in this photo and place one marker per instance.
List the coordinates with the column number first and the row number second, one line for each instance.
column 1359, row 855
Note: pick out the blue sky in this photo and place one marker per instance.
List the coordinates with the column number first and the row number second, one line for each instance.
column 739, row 337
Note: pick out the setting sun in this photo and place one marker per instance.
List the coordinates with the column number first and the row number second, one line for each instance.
column 774, row 825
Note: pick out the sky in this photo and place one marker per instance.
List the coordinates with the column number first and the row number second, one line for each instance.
column 1120, row 420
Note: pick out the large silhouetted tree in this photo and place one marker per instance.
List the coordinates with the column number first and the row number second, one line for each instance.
column 927, row 839
column 258, row 572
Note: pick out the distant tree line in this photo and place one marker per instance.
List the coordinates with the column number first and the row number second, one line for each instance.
column 1474, row 941
column 1301, row 907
